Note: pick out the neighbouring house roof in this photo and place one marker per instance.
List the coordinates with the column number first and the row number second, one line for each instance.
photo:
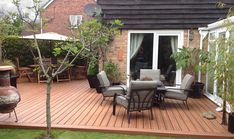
column 164, row 14
column 47, row 4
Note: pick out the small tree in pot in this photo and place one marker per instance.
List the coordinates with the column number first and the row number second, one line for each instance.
column 92, row 72
column 191, row 60
column 96, row 35
column 222, row 64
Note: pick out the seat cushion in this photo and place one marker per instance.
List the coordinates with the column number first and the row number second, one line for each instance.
column 122, row 101
column 175, row 95
column 110, row 91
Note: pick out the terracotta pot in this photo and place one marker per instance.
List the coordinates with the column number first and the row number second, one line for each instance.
column 9, row 95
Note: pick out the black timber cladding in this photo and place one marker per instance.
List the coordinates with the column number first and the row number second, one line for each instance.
column 164, row 14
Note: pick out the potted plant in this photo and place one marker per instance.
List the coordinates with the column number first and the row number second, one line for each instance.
column 221, row 63
column 92, row 72
column 191, row 60
column 113, row 72
column 231, row 104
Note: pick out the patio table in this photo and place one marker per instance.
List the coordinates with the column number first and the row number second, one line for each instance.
column 159, row 95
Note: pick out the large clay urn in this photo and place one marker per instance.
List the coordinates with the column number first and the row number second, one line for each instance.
column 9, row 95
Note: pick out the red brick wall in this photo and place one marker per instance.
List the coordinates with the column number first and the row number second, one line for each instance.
column 195, row 42
column 57, row 13
column 120, row 43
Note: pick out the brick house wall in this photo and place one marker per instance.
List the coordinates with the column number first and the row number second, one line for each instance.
column 121, row 42
column 57, row 14
column 195, row 42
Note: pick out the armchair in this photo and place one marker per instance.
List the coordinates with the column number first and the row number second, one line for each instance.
column 138, row 98
column 182, row 92
column 106, row 89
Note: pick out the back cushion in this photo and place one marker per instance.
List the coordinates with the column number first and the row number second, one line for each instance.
column 102, row 77
column 150, row 73
column 187, row 81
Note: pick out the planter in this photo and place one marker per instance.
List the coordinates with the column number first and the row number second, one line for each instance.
column 98, row 89
column 197, row 88
column 231, row 122
column 9, row 95
column 13, row 80
column 93, row 81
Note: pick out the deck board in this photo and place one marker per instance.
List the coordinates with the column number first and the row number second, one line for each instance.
column 75, row 106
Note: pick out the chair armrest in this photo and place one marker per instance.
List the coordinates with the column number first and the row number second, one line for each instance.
column 102, row 86
column 179, row 89
column 117, row 94
column 122, row 83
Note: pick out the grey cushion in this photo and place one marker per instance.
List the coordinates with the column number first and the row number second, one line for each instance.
column 137, row 84
column 141, row 93
column 187, row 81
column 176, row 95
column 103, row 80
column 110, row 91
column 122, row 101
column 150, row 73
column 181, row 94
column 107, row 90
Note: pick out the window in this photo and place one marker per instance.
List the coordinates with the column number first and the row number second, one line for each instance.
column 75, row 20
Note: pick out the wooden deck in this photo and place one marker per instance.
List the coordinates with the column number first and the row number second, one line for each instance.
column 77, row 107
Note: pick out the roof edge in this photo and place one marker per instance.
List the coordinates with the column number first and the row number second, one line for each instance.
column 47, row 4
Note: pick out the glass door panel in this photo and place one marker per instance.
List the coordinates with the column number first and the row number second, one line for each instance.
column 141, row 52
column 167, row 46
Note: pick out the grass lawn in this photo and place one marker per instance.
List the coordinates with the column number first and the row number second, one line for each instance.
column 65, row 134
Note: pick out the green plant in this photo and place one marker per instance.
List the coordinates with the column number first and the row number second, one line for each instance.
column 191, row 60
column 222, row 59
column 92, row 68
column 96, row 36
column 10, row 25
column 113, row 72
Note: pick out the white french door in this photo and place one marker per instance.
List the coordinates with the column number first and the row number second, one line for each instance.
column 164, row 42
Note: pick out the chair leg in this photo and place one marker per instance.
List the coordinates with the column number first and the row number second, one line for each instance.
column 151, row 111
column 16, row 116
column 185, row 103
column 102, row 100
column 128, row 114
column 114, row 108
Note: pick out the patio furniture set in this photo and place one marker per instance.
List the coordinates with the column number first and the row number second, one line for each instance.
column 143, row 93
column 34, row 71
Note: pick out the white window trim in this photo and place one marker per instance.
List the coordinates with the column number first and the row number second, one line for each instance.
column 157, row 33
column 78, row 20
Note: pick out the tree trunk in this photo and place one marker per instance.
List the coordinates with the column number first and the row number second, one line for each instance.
column 1, row 52
column 224, row 117
column 48, row 113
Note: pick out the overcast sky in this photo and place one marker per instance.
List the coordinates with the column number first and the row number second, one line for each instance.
column 6, row 5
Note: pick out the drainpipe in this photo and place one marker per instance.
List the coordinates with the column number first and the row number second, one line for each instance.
column 203, row 32
column 188, row 42
column 41, row 23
